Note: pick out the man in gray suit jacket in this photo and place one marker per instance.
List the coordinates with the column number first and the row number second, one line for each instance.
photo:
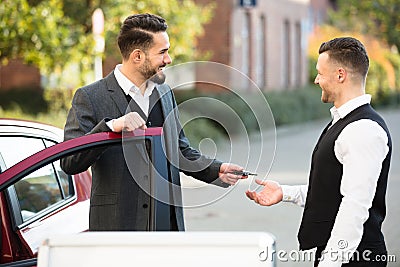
column 118, row 200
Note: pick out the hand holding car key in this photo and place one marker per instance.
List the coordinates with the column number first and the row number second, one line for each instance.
column 244, row 173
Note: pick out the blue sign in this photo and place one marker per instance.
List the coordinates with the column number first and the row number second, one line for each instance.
column 248, row 3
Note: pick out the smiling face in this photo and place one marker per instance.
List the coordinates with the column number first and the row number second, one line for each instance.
column 156, row 58
column 327, row 79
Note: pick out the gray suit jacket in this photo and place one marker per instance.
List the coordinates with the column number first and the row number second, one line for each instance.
column 119, row 202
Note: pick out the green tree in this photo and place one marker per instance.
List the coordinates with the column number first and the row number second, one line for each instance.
column 378, row 17
column 54, row 34
column 185, row 22
column 38, row 32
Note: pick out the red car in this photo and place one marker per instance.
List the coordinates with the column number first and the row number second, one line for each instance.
column 37, row 199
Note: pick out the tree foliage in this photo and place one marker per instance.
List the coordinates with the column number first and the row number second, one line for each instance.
column 39, row 33
column 55, row 34
column 185, row 22
column 378, row 17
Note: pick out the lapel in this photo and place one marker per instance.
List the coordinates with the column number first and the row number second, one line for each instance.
column 166, row 102
column 116, row 93
column 170, row 135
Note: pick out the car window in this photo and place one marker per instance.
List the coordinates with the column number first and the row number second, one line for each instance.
column 39, row 190
column 65, row 180
column 16, row 148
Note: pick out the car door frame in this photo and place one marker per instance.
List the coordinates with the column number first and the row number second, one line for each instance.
column 15, row 173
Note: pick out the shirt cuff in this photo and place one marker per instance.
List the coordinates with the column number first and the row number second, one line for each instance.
column 110, row 125
column 296, row 194
column 289, row 193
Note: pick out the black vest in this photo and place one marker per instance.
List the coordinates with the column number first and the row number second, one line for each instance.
column 155, row 118
column 324, row 198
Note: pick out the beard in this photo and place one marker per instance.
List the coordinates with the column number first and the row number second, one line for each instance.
column 324, row 97
column 151, row 73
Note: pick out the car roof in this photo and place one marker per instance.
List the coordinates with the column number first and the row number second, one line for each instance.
column 30, row 128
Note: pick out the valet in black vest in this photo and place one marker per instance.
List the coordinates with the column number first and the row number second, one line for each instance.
column 344, row 201
column 324, row 197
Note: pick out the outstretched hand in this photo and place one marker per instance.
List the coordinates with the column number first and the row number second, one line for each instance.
column 270, row 194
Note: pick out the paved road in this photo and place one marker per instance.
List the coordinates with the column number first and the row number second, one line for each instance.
column 294, row 144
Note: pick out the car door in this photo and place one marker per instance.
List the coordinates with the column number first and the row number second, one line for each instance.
column 38, row 199
column 34, row 222
column 42, row 201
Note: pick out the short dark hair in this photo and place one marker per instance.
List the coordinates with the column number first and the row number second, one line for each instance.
column 136, row 32
column 349, row 52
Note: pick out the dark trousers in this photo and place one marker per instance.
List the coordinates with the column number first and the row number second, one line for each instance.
column 361, row 258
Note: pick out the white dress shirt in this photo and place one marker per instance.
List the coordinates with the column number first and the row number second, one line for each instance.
column 131, row 89
column 361, row 148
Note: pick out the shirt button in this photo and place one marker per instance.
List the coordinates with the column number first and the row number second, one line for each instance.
column 146, row 177
column 145, row 206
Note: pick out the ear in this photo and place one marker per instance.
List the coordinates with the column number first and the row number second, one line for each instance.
column 342, row 75
column 136, row 56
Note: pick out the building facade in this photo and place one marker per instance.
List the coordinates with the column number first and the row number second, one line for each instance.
column 264, row 39
column 17, row 75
